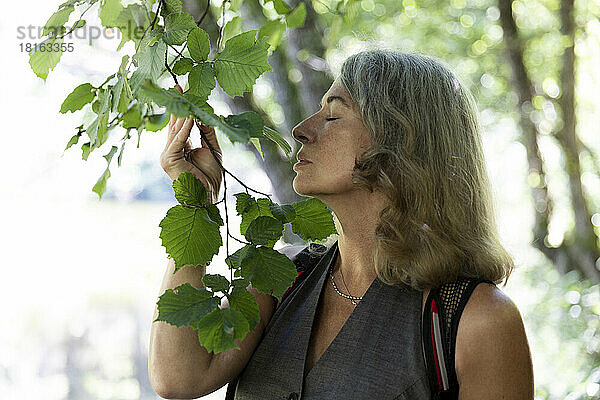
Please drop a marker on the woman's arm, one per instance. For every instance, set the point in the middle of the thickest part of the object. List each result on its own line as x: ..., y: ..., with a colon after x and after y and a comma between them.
x: 493, y: 360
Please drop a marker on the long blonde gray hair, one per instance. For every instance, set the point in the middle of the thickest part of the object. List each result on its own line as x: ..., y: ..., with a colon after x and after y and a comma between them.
x: 427, y: 158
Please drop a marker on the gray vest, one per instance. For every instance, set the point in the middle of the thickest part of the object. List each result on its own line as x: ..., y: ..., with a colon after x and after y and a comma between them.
x: 376, y: 355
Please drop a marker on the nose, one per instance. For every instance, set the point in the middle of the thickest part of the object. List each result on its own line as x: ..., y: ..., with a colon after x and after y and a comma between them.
x: 303, y: 132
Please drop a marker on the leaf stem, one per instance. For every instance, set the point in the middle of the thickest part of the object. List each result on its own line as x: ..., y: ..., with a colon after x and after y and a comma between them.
x: 203, y: 15
x: 75, y: 25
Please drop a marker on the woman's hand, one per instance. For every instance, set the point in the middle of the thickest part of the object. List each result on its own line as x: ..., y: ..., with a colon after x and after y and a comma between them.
x: 178, y: 155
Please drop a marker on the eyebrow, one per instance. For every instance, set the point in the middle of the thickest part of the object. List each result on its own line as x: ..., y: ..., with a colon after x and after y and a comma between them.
x: 333, y: 97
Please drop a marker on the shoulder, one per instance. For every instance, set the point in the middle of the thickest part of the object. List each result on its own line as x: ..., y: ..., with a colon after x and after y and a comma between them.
x: 492, y: 353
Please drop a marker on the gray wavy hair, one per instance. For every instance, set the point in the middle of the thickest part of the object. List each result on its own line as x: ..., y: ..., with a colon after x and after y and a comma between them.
x: 427, y: 158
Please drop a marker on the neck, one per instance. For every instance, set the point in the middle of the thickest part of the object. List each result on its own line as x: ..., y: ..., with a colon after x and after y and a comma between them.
x: 356, y: 241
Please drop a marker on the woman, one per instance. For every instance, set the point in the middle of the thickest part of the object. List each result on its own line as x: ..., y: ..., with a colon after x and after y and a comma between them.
x: 395, y: 153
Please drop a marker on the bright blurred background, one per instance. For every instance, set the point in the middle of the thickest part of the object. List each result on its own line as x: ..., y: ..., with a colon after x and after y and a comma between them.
x: 81, y: 276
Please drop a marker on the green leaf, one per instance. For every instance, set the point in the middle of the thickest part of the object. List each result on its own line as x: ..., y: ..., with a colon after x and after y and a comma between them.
x: 264, y: 230
x: 249, y: 120
x: 183, y: 66
x: 172, y: 6
x: 236, y: 258
x: 132, y: 118
x: 272, y: 32
x: 214, y: 214
x: 258, y: 208
x: 45, y: 56
x: 150, y: 65
x: 86, y: 149
x: 80, y: 96
x: 232, y: 28
x: 177, y: 27
x: 100, y: 186
x: 285, y: 213
x: 313, y: 220
x: 256, y: 144
x: 243, y: 301
x: 218, y: 330
x: 274, y: 136
x: 198, y: 44
x: 73, y: 141
x: 243, y: 202
x: 190, y: 236
x: 269, y: 271
x: 240, y: 63
x: 280, y: 6
x: 189, y: 190
x: 57, y: 20
x: 156, y: 122
x: 185, y: 304
x: 181, y: 106
x: 218, y: 283
x: 109, y: 12
x: 296, y: 18
x: 202, y: 81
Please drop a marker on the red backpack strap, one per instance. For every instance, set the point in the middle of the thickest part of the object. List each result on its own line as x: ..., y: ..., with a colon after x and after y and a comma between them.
x: 441, y: 316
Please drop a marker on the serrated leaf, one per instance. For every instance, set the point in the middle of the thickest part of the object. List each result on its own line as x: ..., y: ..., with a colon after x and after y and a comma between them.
x: 185, y: 304
x: 177, y: 27
x: 269, y: 271
x: 264, y: 230
x: 202, y: 81
x: 249, y: 120
x: 172, y: 6
x: 189, y: 190
x: 217, y: 283
x: 198, y: 44
x: 240, y: 63
x: 43, y: 61
x: 100, y: 186
x: 58, y: 19
x: 243, y: 202
x: 214, y: 214
x: 257, y: 209
x: 285, y: 213
x: 236, y: 258
x: 243, y: 301
x: 218, y: 330
x: 296, y: 18
x: 313, y: 220
x: 190, y: 236
x: 150, y: 64
x: 183, y: 66
x: 80, y: 96
x: 179, y: 105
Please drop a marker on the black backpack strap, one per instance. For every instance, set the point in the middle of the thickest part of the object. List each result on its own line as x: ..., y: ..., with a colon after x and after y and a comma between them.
x: 442, y: 312
x: 304, y: 261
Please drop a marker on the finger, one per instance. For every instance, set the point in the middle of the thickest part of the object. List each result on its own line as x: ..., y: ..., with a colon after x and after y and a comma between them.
x: 211, y: 136
x: 175, y: 129
x: 172, y: 121
x: 178, y: 143
x: 178, y: 88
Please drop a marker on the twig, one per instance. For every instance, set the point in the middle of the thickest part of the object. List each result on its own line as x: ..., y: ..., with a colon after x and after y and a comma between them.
x: 137, y: 47
x: 205, y: 12
x: 76, y: 23
x: 222, y: 29
x: 169, y: 68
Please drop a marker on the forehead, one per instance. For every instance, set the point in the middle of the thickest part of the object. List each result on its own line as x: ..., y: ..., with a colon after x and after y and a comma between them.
x: 337, y: 92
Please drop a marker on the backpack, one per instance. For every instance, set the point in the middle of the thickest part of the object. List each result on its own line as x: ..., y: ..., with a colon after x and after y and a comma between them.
x: 441, y: 315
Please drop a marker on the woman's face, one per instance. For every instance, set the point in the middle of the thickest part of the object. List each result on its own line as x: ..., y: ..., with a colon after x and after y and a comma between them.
x: 332, y: 139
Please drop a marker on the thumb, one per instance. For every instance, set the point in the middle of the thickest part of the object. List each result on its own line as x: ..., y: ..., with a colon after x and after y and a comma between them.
x: 211, y: 136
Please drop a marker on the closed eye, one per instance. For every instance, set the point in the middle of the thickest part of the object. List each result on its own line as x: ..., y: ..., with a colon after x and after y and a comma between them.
x: 330, y: 119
